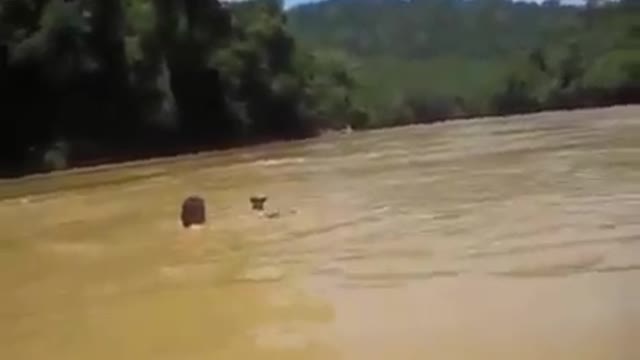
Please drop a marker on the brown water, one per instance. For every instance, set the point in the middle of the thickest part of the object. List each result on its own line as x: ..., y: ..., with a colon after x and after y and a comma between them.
x: 499, y: 239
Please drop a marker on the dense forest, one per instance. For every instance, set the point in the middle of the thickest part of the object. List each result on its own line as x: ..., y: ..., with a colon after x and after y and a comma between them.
x: 90, y: 81
x: 427, y: 60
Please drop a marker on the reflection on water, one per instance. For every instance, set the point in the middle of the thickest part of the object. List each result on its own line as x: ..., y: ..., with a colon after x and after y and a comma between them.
x: 497, y: 239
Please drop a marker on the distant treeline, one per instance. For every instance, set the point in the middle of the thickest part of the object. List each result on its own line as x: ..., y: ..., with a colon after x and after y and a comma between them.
x: 428, y: 60
x: 90, y: 81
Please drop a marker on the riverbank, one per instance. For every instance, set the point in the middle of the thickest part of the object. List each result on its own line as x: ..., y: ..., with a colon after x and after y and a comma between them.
x: 129, y: 171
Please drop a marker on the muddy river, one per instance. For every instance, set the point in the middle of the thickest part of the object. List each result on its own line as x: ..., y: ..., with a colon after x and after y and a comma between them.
x: 512, y: 238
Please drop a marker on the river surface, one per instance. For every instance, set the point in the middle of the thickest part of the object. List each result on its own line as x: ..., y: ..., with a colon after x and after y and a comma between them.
x: 509, y: 238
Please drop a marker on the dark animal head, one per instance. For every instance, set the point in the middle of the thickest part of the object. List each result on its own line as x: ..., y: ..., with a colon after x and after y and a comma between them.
x: 193, y: 211
x: 257, y: 202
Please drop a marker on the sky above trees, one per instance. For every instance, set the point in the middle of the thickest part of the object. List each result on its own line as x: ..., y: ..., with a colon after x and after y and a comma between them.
x: 290, y: 3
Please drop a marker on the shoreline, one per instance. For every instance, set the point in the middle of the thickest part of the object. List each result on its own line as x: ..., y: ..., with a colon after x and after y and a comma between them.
x: 110, y: 166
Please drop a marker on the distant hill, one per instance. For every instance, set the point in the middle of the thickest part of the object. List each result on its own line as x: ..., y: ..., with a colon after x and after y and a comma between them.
x: 428, y: 28
x: 472, y: 52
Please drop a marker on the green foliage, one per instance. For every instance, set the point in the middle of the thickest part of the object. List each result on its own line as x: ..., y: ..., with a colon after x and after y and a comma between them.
x: 424, y: 60
x: 140, y: 77
x: 147, y: 76
x: 422, y: 29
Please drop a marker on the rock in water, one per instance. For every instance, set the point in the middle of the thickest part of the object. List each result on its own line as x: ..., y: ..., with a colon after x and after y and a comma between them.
x: 193, y: 211
x: 257, y: 202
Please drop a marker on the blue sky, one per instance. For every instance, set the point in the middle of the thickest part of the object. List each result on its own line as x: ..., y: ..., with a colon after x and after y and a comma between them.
x: 290, y: 3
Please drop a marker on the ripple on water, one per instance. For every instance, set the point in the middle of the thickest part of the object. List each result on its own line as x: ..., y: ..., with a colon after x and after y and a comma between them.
x: 369, y: 276
x: 277, y: 162
x: 541, y: 247
x: 400, y: 275
x: 578, y: 265
x: 617, y: 268
x: 77, y: 249
x: 262, y: 274
x: 186, y: 272
x: 382, y: 285
x: 280, y: 337
x: 393, y: 253
x: 386, y: 280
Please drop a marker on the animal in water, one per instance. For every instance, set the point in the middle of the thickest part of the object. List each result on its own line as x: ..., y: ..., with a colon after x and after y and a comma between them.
x: 257, y: 202
x: 193, y: 211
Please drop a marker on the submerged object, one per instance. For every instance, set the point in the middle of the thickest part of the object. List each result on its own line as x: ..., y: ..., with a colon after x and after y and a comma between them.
x: 272, y: 214
x: 193, y: 211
